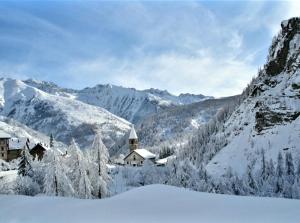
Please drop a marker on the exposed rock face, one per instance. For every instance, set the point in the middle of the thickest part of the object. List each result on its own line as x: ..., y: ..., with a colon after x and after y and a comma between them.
x: 285, y: 48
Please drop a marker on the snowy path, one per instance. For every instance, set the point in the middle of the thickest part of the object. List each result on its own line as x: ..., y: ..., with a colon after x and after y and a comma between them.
x: 156, y: 203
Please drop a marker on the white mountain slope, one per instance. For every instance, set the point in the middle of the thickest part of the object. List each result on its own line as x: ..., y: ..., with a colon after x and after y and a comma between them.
x: 269, y: 119
x: 149, y: 204
x: 128, y: 103
x: 175, y: 124
x: 18, y: 130
x: 64, y: 117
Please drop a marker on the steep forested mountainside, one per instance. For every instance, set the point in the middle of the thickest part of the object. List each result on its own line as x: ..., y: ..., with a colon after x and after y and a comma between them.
x: 64, y: 117
x: 128, y: 103
x: 174, y: 125
x: 267, y: 121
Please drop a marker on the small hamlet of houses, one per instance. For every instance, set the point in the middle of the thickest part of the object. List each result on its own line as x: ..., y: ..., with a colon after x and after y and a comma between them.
x: 11, y: 148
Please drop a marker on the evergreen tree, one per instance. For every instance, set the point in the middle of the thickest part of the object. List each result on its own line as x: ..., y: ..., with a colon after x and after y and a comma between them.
x: 56, y: 181
x: 251, y: 182
x: 289, y: 168
x: 51, y: 141
x: 78, y: 173
x: 264, y: 173
x: 100, y: 157
x: 279, y: 174
x: 24, y: 167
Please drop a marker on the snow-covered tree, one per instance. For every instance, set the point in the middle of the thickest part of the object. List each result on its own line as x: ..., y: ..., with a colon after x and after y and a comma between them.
x: 25, y: 185
x: 279, y: 174
x: 56, y: 181
x: 24, y: 167
x: 99, y: 171
x: 51, y: 142
x: 78, y: 171
x: 251, y: 182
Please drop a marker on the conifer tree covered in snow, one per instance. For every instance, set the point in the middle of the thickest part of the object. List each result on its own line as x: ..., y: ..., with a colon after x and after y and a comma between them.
x: 51, y: 141
x: 99, y: 156
x: 24, y: 167
x: 25, y: 183
x: 56, y: 181
x: 78, y: 172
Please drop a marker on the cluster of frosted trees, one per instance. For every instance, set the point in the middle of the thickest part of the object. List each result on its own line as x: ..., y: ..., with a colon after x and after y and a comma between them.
x: 74, y: 174
x: 261, y: 179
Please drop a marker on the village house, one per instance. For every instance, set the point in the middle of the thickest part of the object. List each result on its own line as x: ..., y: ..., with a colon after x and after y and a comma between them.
x: 136, y: 156
x: 39, y: 150
x: 11, y: 148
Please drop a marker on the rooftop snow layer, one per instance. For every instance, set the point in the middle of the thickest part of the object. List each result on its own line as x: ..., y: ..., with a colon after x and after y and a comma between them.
x: 19, y: 143
x: 145, y: 153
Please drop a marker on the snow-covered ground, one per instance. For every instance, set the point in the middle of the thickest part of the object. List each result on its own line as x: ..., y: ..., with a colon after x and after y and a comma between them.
x: 155, y: 203
x: 8, y: 176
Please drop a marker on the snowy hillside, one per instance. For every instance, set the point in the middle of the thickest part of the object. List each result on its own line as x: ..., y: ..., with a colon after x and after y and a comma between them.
x: 64, y: 117
x: 128, y: 103
x: 269, y: 119
x: 156, y: 203
x: 175, y: 124
x: 18, y: 130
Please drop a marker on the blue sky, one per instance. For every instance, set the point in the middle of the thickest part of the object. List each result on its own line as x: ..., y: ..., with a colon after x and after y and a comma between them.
x: 208, y: 47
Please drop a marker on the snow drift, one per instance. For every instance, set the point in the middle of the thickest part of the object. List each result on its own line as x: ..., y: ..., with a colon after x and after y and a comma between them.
x: 155, y: 203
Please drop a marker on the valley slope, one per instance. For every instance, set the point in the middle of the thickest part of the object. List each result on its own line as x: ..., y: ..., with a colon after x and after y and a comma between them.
x: 268, y: 120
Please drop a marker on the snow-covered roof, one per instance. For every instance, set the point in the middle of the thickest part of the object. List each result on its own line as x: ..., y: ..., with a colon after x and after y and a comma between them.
x: 19, y: 143
x: 132, y: 134
x: 145, y: 153
x: 4, y: 135
x: 44, y: 145
x: 164, y: 160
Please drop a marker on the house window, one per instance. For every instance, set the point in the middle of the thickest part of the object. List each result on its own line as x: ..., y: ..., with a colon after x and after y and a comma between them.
x: 2, y: 148
x: 141, y: 161
x: 127, y: 162
x: 2, y: 154
x: 133, y: 157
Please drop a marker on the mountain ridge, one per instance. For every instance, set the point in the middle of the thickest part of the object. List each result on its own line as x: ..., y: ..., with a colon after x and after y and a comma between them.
x: 128, y: 103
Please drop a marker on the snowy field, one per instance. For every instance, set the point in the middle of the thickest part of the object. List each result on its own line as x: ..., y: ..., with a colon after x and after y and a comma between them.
x: 155, y: 203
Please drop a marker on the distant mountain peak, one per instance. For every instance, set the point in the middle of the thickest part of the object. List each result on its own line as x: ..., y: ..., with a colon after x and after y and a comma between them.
x: 128, y: 103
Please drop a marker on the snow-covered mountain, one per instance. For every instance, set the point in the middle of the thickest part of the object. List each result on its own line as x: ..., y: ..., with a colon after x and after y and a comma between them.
x: 269, y: 118
x: 18, y: 130
x: 62, y: 116
x: 128, y: 103
x: 174, y: 125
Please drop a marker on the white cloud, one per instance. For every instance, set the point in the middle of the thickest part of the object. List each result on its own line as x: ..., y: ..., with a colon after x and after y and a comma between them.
x: 293, y: 8
x: 183, y: 47
x: 177, y: 73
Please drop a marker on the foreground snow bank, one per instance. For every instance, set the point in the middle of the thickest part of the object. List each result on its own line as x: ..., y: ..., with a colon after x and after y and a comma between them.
x: 155, y: 203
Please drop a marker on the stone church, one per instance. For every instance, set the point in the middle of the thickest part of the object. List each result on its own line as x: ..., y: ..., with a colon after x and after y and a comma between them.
x: 136, y: 156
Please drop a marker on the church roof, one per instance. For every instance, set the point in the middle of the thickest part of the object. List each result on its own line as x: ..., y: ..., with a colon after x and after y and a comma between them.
x: 132, y: 134
x: 145, y: 153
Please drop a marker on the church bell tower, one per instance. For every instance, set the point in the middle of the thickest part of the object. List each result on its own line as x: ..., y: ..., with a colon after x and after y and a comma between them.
x: 133, y: 140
